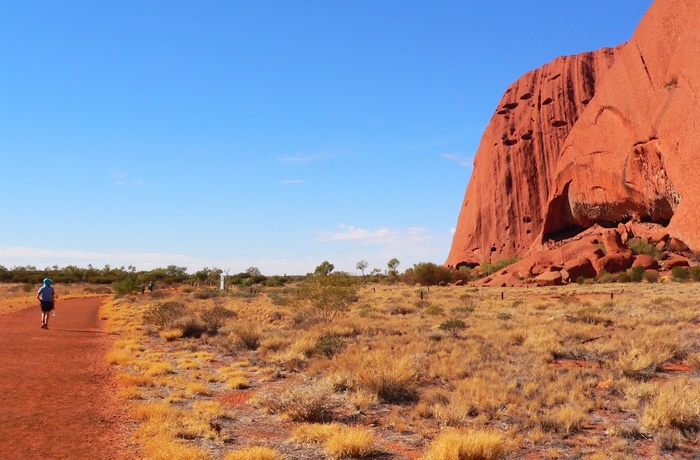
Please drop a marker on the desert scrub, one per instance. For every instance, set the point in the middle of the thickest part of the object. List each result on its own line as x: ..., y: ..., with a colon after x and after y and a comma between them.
x: 301, y: 400
x: 392, y: 379
x: 163, y: 315
x: 214, y: 318
x: 339, y: 441
x: 321, y: 298
x: 466, y: 445
x: 676, y: 407
x: 254, y: 453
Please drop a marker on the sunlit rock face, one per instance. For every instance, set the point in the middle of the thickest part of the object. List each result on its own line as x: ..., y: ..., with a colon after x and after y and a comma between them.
x: 606, y: 137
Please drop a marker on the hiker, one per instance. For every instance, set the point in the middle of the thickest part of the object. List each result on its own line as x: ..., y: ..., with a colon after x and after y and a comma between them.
x: 150, y: 286
x: 47, y: 298
x: 143, y: 288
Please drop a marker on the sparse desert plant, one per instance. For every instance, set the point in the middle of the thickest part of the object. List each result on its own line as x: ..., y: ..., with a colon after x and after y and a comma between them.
x: 466, y: 445
x: 324, y: 297
x: 190, y: 325
x: 329, y: 344
x: 566, y: 419
x: 453, y: 327
x: 301, y: 401
x: 162, y: 315
x: 254, y: 453
x: 392, y: 379
x: 340, y: 441
x: 637, y: 274
x: 680, y: 274
x: 216, y: 317
x: 247, y: 336
x: 643, y: 246
x: 677, y: 407
x: 641, y: 363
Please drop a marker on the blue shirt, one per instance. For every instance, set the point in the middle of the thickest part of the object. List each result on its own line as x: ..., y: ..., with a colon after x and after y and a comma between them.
x: 46, y: 293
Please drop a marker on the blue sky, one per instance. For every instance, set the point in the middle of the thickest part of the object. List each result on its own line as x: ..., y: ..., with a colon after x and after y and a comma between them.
x: 269, y: 134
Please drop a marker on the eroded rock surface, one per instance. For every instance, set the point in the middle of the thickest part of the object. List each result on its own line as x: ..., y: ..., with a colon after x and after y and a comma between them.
x: 604, y: 138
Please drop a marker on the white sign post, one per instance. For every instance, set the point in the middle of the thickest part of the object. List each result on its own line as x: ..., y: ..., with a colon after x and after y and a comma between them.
x: 223, y: 281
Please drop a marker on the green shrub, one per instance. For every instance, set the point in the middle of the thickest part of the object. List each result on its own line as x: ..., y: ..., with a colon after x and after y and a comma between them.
x: 695, y: 273
x: 126, y: 286
x: 453, y: 326
x: 637, y: 274
x: 623, y: 277
x: 490, y: 268
x: 651, y: 276
x: 680, y: 273
x: 323, y: 297
x: 434, y: 310
x: 643, y: 246
x: 430, y: 274
x: 328, y: 345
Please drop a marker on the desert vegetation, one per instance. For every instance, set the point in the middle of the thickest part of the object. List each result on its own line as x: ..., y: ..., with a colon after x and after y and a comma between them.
x: 340, y: 368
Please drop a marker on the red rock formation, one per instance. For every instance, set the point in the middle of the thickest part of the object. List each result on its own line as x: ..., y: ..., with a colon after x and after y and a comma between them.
x: 598, y: 138
x: 505, y: 203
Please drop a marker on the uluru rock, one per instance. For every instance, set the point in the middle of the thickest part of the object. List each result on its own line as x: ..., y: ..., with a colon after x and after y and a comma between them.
x: 506, y: 199
x: 604, y: 138
x: 580, y: 268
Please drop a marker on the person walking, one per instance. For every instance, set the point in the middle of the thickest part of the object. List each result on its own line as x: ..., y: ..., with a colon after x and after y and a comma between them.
x: 47, y: 299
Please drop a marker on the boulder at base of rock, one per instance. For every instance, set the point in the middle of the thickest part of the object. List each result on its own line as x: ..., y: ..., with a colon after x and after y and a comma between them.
x: 646, y: 261
x: 676, y: 261
x: 615, y: 262
x: 581, y: 267
x: 549, y: 279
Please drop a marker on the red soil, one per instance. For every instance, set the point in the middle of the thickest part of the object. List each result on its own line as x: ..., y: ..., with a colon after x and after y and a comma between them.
x: 56, y: 389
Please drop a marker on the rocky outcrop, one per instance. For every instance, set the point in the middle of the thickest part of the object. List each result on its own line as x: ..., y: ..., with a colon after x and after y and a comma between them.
x: 599, y: 138
x: 505, y: 203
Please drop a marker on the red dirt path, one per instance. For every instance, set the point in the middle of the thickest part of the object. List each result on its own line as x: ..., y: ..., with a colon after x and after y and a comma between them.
x: 56, y: 388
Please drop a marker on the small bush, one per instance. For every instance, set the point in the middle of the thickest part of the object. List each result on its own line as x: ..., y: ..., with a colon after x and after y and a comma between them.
x: 695, y: 273
x: 466, y: 445
x: 453, y: 326
x: 677, y: 407
x: 206, y: 294
x: 162, y: 315
x: 216, y: 317
x: 190, y: 325
x: 328, y: 345
x: 248, y: 336
x: 306, y: 401
x: 392, y: 380
x: 491, y: 268
x: 651, y: 276
x: 680, y: 274
x: 637, y: 274
x: 126, y: 286
x: 254, y: 453
x: 643, y: 246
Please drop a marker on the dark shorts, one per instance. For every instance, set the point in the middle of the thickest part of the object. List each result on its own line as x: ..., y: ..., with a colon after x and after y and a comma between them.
x: 46, y: 305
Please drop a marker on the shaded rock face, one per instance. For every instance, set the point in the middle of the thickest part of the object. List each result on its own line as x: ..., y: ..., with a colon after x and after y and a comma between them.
x: 612, y: 139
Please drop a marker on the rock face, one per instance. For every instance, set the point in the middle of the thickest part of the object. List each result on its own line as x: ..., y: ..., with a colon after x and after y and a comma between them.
x: 604, y: 138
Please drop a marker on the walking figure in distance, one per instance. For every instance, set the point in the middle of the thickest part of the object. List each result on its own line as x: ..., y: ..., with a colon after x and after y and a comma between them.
x: 47, y: 298
x: 150, y: 286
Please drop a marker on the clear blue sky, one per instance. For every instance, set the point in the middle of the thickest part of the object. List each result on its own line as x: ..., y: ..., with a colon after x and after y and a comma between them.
x: 273, y: 134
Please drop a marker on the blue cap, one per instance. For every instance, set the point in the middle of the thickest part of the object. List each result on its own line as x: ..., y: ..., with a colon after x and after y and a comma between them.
x: 47, y: 281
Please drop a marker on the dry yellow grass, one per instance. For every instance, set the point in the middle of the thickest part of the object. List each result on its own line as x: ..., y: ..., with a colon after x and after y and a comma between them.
x: 533, y: 367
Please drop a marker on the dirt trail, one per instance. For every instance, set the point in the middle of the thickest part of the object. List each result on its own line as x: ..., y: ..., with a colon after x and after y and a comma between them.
x: 56, y: 391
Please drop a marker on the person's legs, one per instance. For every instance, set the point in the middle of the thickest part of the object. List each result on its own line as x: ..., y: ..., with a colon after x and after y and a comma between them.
x: 44, y: 318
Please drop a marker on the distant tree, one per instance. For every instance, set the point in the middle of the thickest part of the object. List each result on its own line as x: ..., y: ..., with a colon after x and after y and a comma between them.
x: 322, y: 297
x: 393, y: 264
x: 324, y: 269
x: 253, y: 271
x: 430, y: 274
x: 362, y: 265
